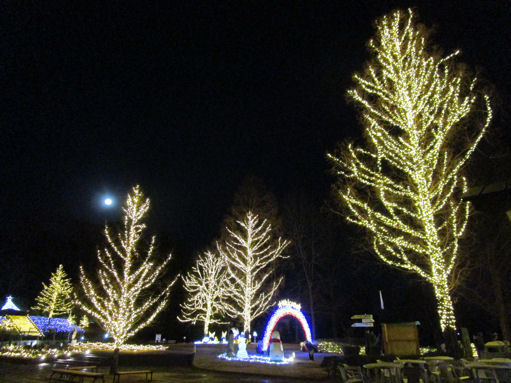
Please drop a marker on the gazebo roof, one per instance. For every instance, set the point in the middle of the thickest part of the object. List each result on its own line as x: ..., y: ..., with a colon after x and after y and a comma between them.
x: 12, y: 319
x: 21, y: 324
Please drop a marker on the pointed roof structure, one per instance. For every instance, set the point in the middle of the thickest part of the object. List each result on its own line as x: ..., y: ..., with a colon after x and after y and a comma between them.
x: 12, y: 319
x: 9, y: 305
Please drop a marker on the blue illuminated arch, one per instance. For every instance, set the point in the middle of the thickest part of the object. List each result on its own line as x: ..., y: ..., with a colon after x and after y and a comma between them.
x: 286, y: 308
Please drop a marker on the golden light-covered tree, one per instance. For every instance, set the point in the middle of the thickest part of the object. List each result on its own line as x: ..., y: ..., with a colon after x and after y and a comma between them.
x: 250, y: 252
x: 423, y: 119
x: 126, y: 297
x: 56, y: 297
x: 207, y: 287
x: 84, y: 322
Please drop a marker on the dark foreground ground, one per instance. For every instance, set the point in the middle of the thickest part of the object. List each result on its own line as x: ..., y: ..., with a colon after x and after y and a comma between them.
x: 20, y: 373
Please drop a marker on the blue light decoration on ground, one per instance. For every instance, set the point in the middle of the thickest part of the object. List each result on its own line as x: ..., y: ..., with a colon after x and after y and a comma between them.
x: 59, y: 325
x: 286, y: 307
x: 108, y: 201
x: 255, y: 359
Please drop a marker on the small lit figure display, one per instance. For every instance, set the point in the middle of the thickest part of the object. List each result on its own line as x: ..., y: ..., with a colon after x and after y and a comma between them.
x: 276, y: 349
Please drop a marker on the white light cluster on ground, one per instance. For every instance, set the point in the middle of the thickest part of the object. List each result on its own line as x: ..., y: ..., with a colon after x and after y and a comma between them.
x: 255, y: 359
x: 210, y: 342
x: 98, y: 346
x: 16, y: 351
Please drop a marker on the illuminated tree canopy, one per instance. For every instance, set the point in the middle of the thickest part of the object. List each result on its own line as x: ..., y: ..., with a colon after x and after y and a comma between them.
x: 56, y: 298
x: 127, y: 298
x: 206, y: 286
x: 250, y: 253
x: 405, y: 186
x: 84, y: 322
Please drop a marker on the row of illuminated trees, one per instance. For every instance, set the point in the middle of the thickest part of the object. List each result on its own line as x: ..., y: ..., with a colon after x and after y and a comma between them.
x: 233, y: 279
x: 423, y: 116
x: 123, y: 297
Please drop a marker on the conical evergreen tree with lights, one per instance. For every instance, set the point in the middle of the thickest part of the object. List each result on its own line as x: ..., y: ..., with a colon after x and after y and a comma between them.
x: 56, y: 297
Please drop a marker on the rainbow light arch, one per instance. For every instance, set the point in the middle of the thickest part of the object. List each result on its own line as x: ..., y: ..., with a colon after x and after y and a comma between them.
x: 286, y: 307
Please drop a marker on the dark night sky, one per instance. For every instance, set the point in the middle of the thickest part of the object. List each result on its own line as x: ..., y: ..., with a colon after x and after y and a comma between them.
x: 187, y: 99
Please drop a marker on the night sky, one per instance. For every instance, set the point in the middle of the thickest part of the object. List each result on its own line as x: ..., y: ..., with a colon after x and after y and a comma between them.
x: 186, y: 100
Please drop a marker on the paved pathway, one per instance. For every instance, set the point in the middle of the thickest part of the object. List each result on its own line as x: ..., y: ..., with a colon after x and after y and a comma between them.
x: 176, y: 368
x: 19, y: 372
x: 302, y: 367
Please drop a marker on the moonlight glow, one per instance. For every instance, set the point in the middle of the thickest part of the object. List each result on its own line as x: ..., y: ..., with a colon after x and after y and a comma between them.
x: 126, y: 298
x: 108, y: 201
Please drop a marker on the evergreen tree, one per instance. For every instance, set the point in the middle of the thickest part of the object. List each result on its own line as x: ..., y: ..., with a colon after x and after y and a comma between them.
x: 56, y: 298
x: 84, y: 322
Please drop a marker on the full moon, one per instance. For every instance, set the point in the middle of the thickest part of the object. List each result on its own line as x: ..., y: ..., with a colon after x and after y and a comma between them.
x: 108, y: 201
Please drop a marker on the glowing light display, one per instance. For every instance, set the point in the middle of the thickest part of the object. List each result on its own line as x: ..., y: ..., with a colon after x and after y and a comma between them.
x: 84, y: 322
x: 126, y: 298
x: 59, y: 325
x: 405, y: 187
x: 20, y: 324
x: 330, y: 346
x: 207, y: 286
x: 99, y: 346
x: 15, y: 351
x: 55, y: 298
x: 256, y: 359
x: 250, y: 254
x: 48, y: 354
x: 285, y: 307
x: 9, y: 304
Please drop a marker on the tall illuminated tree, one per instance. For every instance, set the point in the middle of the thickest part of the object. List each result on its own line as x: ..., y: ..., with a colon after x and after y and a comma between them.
x: 56, y: 297
x: 127, y: 297
x: 405, y: 186
x: 206, y: 286
x: 250, y: 253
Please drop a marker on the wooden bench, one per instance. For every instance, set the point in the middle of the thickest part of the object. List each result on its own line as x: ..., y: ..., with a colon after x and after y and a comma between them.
x: 95, y: 368
x: 67, y: 374
x: 148, y: 373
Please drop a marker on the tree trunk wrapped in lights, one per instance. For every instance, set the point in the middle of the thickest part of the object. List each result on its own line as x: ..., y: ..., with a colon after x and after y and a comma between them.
x: 405, y: 188
x: 56, y: 298
x: 250, y: 252
x: 207, y: 285
x: 126, y: 299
